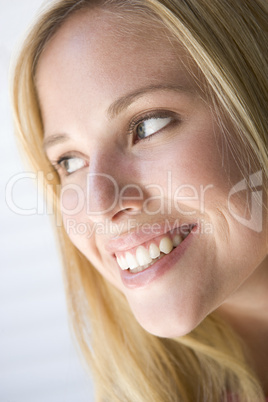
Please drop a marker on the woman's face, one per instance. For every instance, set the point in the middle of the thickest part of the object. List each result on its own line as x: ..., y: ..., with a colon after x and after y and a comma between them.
x: 148, y: 181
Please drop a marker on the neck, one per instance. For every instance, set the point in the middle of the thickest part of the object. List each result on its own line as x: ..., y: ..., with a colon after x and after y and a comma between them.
x: 247, y: 312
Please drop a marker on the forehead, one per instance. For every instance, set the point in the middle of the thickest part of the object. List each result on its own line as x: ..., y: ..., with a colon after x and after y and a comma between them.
x: 100, y: 27
x: 94, y: 37
x: 97, y: 56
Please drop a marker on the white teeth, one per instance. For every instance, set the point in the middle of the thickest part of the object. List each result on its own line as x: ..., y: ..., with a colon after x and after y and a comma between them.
x: 131, y: 261
x: 154, y: 251
x: 122, y: 263
x: 119, y: 262
x: 166, y: 245
x: 138, y: 269
x: 177, y: 240
x: 142, y: 256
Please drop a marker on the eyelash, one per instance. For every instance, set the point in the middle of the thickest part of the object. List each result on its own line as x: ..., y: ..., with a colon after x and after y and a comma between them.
x: 132, y: 127
x: 57, y: 163
x: 159, y: 114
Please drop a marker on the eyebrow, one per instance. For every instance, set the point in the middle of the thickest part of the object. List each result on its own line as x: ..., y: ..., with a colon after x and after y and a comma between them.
x: 54, y: 140
x: 118, y: 106
x: 125, y: 101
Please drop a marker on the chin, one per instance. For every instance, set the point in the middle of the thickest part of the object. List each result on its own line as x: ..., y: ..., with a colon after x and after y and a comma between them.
x: 168, y: 325
x: 174, y: 331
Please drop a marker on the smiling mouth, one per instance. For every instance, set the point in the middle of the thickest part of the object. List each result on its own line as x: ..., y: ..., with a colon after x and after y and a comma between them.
x: 142, y: 257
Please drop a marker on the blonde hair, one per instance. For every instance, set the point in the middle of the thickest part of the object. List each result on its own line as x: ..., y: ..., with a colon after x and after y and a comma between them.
x: 227, y: 41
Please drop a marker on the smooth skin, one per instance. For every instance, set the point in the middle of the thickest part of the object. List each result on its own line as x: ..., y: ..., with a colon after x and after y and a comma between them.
x: 94, y: 79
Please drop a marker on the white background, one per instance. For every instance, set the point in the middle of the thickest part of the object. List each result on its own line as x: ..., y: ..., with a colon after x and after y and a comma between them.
x: 38, y: 362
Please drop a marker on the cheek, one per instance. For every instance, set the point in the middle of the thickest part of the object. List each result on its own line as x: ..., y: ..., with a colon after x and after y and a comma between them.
x: 82, y: 231
x: 205, y: 169
x: 195, y: 178
x: 73, y: 209
x: 72, y: 199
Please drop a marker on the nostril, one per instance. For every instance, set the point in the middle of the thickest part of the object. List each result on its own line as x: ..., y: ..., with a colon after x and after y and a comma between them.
x: 125, y: 211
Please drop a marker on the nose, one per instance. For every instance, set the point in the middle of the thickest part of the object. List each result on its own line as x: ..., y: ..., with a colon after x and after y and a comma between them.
x: 111, y: 189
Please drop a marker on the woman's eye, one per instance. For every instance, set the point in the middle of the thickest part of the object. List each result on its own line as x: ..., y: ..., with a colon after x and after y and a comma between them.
x: 71, y: 164
x: 151, y: 126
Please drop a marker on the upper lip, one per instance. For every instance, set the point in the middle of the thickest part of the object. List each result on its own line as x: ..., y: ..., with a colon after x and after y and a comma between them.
x: 137, y: 237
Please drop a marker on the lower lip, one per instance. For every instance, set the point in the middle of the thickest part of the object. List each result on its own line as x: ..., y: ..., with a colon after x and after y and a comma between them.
x: 159, y: 268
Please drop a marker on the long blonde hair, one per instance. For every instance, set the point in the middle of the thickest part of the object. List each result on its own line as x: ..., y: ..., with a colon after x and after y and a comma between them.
x: 227, y: 41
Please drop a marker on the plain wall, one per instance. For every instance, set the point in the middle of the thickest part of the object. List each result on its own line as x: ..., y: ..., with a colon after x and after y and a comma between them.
x: 38, y: 362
